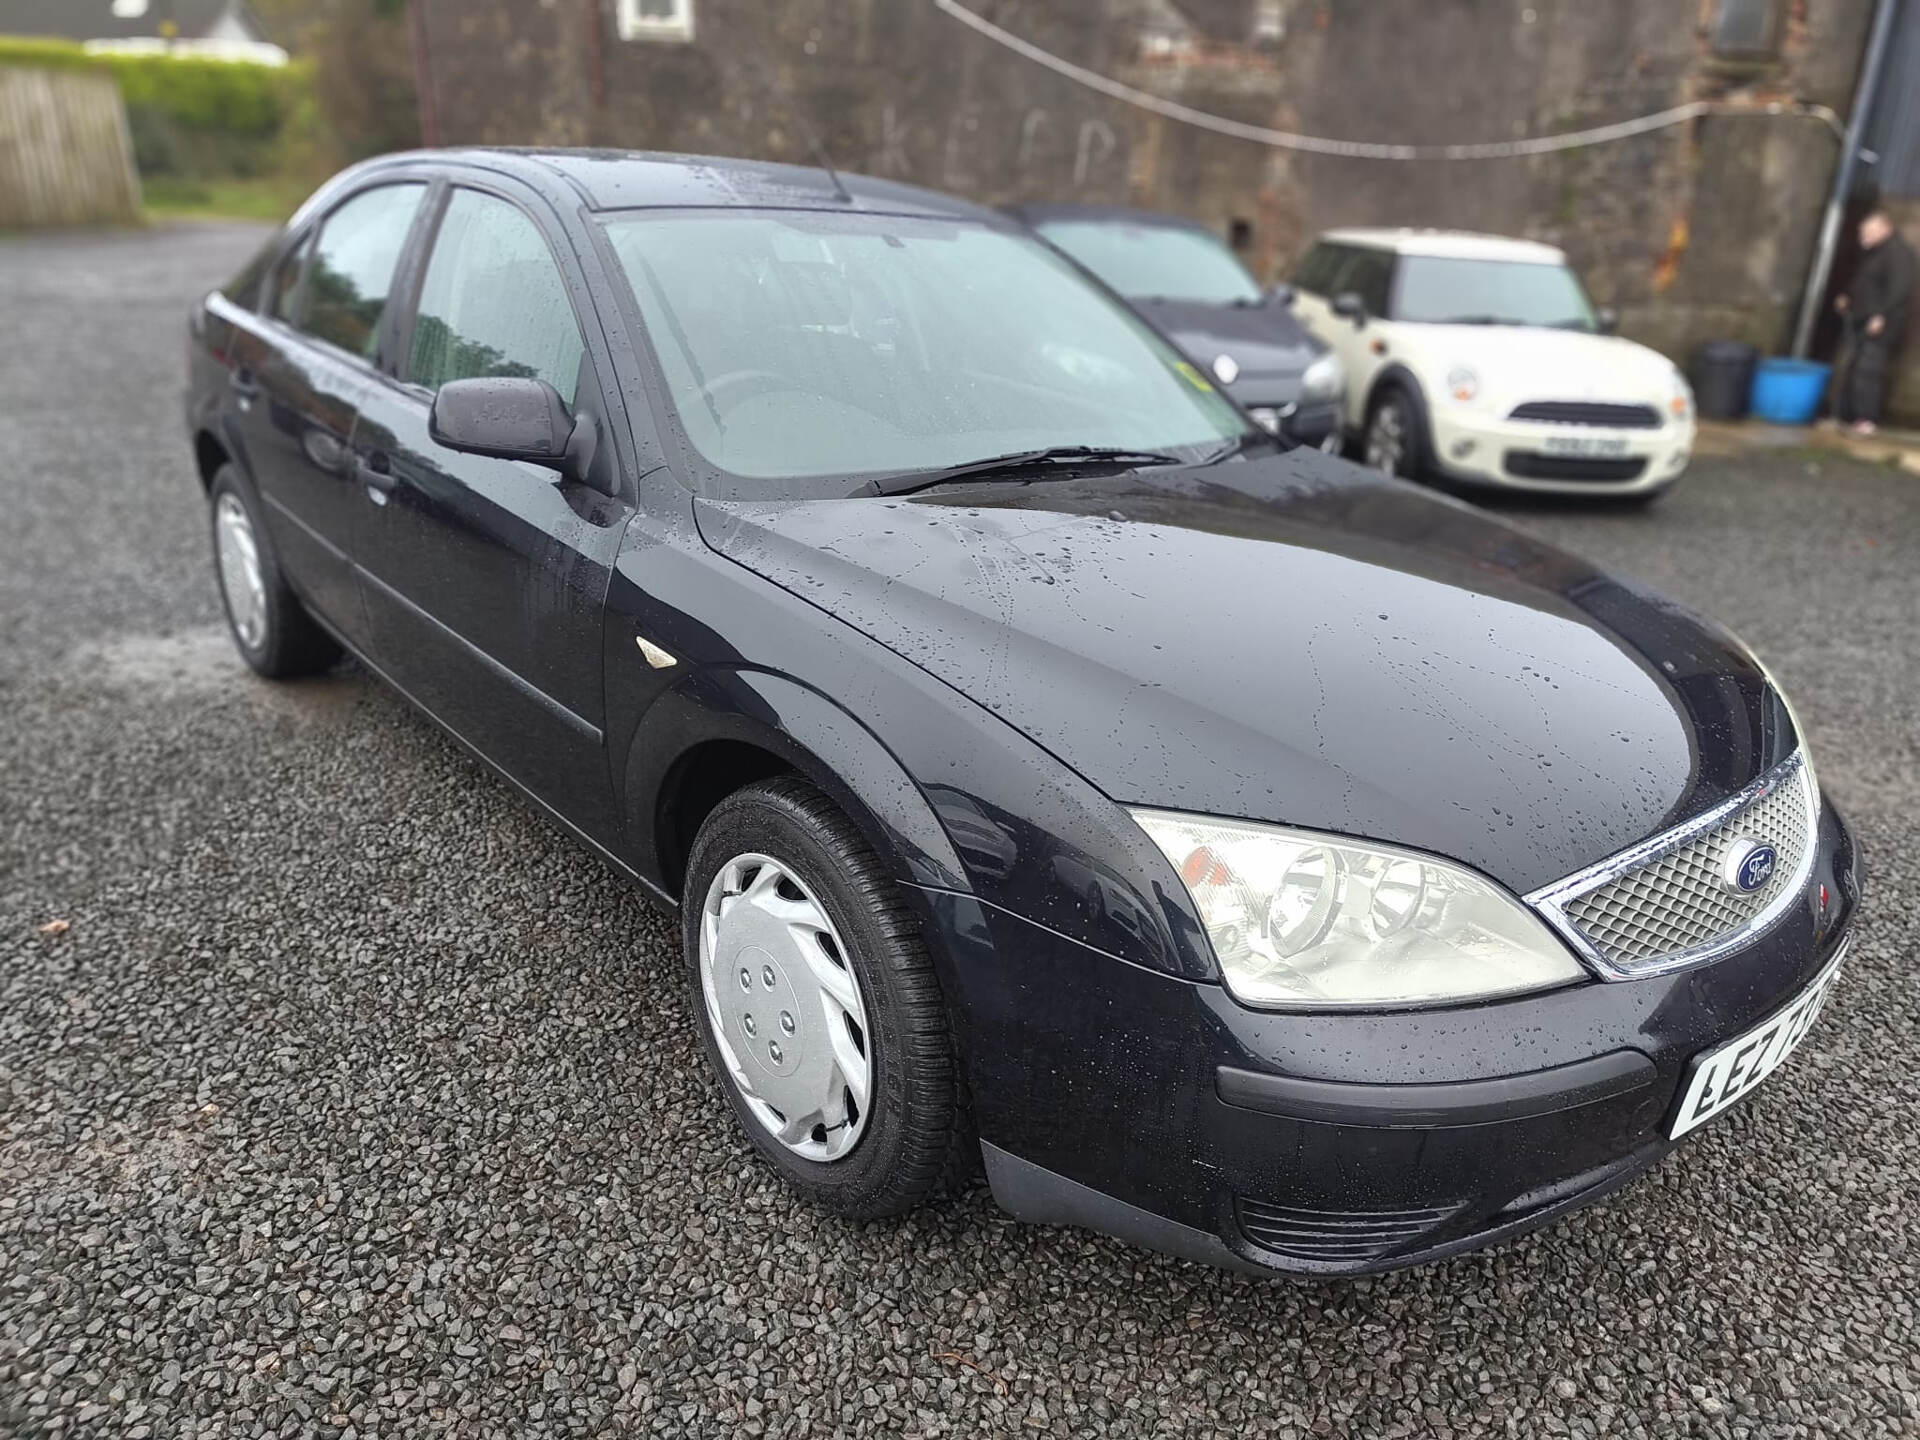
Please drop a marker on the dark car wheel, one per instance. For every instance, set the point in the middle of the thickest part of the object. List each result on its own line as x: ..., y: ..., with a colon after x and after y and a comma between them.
x: 818, y: 1005
x: 1394, y: 442
x: 275, y: 635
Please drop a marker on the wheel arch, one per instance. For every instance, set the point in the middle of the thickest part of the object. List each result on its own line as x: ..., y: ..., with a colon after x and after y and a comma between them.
x: 210, y: 452
x: 719, y: 730
x: 1399, y: 376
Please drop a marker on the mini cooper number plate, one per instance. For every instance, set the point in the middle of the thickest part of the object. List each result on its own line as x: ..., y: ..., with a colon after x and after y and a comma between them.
x: 1600, y: 445
x: 1728, y: 1075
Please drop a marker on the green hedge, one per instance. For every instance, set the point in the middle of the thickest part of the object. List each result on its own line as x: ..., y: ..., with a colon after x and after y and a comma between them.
x: 192, y: 116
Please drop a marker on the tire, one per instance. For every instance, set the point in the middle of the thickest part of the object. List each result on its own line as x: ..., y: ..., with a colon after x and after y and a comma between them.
x: 913, y: 1137
x: 270, y: 628
x: 1394, y: 441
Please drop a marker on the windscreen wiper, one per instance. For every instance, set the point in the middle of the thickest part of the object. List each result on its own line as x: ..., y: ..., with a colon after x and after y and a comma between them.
x: 1016, y: 464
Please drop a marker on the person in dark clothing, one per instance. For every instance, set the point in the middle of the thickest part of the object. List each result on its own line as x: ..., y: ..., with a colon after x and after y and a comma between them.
x: 1875, y: 308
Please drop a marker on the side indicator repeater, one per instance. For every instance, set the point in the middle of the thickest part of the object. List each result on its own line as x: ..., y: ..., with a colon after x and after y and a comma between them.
x: 655, y: 656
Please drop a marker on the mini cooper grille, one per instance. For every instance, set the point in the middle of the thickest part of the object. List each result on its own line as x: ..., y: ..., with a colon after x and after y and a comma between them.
x: 1676, y: 906
x: 1337, y: 1235
x: 1589, y: 412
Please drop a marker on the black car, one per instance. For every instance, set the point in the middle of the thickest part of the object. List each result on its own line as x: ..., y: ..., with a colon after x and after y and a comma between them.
x: 1238, y: 851
x: 1197, y: 293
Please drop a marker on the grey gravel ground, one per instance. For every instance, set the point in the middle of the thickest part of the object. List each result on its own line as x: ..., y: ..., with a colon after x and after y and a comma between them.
x: 356, y: 1101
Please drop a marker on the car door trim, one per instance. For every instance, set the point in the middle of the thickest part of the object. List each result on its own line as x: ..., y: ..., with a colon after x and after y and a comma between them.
x: 571, y: 718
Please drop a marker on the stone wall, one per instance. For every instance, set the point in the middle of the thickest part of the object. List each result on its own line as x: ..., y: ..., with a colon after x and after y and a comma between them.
x: 1700, y: 231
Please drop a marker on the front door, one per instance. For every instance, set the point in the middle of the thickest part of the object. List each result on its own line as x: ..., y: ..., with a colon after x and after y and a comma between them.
x: 300, y: 369
x: 484, y: 580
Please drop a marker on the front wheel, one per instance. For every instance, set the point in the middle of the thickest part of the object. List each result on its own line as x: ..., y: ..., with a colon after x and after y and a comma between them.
x: 1393, y: 442
x: 818, y: 1005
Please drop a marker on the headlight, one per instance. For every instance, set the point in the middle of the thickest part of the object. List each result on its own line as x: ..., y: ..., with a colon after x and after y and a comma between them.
x: 1300, y: 919
x: 1323, y: 379
x: 1462, y: 383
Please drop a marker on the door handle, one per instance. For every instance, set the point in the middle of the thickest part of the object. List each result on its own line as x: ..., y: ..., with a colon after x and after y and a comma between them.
x: 375, y: 471
x: 245, y: 388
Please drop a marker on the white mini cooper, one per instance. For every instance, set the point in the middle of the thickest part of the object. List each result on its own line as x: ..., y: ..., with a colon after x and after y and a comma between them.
x: 1482, y: 361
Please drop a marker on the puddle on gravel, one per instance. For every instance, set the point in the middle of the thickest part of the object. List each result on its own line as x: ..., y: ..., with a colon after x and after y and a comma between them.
x: 202, y: 663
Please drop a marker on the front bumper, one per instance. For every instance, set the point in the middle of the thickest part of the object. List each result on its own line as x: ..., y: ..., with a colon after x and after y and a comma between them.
x: 1473, y: 448
x: 1160, y: 1110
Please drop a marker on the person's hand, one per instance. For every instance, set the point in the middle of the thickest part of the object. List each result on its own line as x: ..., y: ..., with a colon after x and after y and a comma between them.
x: 1876, y: 323
x: 1840, y: 303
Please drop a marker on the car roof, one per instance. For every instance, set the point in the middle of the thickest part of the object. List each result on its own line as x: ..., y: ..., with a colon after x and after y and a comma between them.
x: 642, y: 179
x: 1451, y: 244
x: 1040, y: 212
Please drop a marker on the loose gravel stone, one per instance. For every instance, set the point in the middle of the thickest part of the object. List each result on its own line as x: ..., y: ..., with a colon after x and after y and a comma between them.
x: 354, y: 1100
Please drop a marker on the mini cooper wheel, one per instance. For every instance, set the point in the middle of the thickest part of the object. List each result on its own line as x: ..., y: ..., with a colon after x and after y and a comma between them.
x: 1392, y: 444
x: 818, y: 1006
x: 273, y: 633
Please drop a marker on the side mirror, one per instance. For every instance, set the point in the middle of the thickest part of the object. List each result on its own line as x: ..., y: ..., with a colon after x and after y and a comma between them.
x: 1281, y: 294
x: 514, y: 418
x: 1606, y: 319
x: 1351, y: 306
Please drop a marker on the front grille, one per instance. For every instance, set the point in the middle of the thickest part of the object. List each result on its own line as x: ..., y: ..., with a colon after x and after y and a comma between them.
x: 1532, y: 465
x: 1589, y: 412
x: 1666, y: 904
x: 1337, y: 1235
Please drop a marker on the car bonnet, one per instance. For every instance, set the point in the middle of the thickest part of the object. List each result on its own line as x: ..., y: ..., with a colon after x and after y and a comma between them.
x: 1296, y: 641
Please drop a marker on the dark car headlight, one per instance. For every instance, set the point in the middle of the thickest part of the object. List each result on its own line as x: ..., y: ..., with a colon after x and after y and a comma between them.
x: 1305, y: 920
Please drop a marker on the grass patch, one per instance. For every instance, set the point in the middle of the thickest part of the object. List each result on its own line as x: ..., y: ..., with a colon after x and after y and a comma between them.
x: 171, y: 198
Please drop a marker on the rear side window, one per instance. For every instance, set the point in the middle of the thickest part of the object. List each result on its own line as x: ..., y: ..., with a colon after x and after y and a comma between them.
x: 353, y: 266
x: 493, y: 302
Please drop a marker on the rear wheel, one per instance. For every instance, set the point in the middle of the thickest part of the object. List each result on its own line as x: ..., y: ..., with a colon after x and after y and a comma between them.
x: 270, y: 628
x: 1394, y: 443
x: 818, y: 1005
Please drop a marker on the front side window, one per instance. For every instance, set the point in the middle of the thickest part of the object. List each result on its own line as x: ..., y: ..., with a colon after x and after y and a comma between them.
x: 803, y: 343
x: 353, y: 265
x: 1316, y: 272
x: 493, y: 302
x: 1367, y: 274
x: 1446, y: 291
x: 1156, y: 262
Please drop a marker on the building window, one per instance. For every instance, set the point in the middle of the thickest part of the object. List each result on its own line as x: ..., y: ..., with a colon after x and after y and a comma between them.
x: 656, y: 20
x: 1746, y: 29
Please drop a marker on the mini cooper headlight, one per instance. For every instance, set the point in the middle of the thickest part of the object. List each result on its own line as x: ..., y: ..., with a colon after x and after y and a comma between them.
x: 1323, y: 379
x: 1304, y: 920
x: 1462, y: 383
x: 1680, y: 403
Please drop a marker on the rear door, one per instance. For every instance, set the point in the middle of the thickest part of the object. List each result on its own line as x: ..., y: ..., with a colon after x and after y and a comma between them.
x: 485, y: 580
x: 300, y: 367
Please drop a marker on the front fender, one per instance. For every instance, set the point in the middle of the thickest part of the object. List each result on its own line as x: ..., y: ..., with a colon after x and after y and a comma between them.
x: 811, y: 733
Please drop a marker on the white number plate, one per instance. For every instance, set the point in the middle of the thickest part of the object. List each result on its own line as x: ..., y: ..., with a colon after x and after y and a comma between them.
x: 1583, y: 445
x: 1728, y: 1075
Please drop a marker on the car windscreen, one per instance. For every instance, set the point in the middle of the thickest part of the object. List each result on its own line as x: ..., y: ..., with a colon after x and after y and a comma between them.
x: 1443, y: 290
x: 1155, y: 262
x: 805, y: 343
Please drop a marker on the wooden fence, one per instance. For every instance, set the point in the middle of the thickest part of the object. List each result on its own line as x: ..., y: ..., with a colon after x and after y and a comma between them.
x: 65, y: 156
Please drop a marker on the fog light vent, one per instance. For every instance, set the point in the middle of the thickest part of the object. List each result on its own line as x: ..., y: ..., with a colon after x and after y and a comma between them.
x: 1338, y: 1235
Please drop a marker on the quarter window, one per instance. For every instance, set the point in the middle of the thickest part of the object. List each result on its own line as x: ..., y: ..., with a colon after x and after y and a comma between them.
x: 353, y: 265
x: 493, y: 302
x: 283, y: 290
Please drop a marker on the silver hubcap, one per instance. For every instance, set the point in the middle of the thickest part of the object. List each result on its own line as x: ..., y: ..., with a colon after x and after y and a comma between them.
x: 240, y: 577
x: 785, y: 1007
x: 1387, y: 438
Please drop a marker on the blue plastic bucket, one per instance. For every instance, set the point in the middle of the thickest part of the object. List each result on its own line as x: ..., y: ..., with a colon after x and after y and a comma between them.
x: 1787, y: 392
